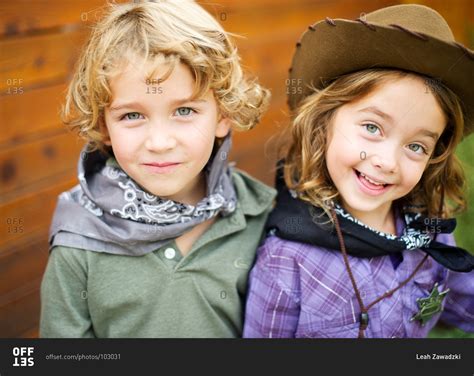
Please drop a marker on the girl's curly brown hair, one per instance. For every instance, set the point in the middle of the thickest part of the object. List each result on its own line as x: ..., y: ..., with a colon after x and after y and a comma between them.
x: 440, y: 191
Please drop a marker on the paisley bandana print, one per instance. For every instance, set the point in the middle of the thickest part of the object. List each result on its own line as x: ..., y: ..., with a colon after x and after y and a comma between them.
x: 297, y: 220
x: 109, y: 212
x: 413, y: 238
x: 141, y: 206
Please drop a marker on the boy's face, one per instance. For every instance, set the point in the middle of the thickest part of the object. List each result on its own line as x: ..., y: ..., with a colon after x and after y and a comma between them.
x: 161, y: 138
x: 388, y: 136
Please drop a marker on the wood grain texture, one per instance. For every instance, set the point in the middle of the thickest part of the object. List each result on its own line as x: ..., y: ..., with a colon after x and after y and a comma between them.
x: 39, y: 45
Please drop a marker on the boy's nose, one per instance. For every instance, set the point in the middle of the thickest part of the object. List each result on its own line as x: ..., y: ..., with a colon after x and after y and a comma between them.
x: 160, y: 138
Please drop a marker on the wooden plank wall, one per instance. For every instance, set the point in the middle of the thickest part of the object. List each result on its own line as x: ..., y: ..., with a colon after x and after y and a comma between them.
x: 39, y: 44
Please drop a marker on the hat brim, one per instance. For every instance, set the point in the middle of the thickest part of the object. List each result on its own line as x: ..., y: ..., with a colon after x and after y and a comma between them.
x: 326, y: 52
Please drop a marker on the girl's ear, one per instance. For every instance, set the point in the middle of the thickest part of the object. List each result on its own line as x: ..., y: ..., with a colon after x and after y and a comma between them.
x: 223, y: 127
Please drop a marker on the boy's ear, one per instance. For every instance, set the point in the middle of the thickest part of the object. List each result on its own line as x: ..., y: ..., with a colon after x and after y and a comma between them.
x: 105, y: 132
x: 223, y: 127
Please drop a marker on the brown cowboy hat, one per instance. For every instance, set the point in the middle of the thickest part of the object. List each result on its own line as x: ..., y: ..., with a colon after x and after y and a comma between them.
x: 408, y: 37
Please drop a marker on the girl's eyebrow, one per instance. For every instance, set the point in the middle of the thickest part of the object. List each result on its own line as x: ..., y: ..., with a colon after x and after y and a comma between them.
x: 428, y: 133
x: 377, y: 111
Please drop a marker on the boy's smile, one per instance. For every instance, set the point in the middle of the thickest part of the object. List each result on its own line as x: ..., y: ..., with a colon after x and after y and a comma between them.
x: 379, y: 147
x: 160, y: 136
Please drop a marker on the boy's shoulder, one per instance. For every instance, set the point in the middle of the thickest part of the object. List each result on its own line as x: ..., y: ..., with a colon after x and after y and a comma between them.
x: 254, y: 196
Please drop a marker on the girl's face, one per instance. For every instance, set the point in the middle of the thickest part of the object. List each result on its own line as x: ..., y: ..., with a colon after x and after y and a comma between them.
x: 160, y: 137
x: 379, y: 145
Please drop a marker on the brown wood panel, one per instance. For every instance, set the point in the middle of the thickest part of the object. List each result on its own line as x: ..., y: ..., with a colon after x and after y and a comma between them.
x: 29, y: 62
x: 20, y: 310
x: 251, y: 15
x: 39, y: 44
x: 27, y: 163
x: 33, y: 114
x: 22, y: 16
x: 28, y: 214
x: 286, y: 16
x: 25, y: 261
x: 255, y: 150
x: 267, y: 128
x: 32, y: 332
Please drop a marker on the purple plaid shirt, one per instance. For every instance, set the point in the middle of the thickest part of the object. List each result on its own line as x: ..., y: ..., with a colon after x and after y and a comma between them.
x: 299, y: 290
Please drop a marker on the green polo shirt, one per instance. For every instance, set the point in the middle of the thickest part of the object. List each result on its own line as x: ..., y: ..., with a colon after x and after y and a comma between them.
x: 160, y: 294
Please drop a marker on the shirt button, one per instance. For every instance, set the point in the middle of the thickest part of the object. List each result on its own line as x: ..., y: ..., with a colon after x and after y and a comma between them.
x: 170, y: 253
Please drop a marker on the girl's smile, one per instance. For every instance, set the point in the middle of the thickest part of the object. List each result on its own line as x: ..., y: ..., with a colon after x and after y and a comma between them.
x: 369, y: 185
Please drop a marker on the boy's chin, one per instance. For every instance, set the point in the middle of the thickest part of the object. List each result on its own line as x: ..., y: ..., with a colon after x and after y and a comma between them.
x: 164, y: 194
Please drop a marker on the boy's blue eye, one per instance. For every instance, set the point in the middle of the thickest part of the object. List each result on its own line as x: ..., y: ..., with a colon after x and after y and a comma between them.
x: 184, y: 111
x: 131, y: 116
x: 371, y: 128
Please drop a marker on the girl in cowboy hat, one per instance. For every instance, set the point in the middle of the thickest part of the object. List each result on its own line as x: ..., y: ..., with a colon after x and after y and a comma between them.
x: 359, y: 243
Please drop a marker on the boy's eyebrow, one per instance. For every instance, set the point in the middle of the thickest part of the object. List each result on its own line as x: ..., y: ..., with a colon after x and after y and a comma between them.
x: 377, y: 111
x: 119, y: 106
x: 176, y: 102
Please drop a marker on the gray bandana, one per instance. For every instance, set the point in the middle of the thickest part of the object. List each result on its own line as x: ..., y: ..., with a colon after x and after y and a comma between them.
x: 109, y: 212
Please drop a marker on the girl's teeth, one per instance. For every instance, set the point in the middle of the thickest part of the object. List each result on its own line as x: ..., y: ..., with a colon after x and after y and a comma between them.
x: 371, y: 181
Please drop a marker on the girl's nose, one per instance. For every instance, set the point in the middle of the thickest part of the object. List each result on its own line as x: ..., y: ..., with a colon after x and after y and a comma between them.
x: 386, y: 160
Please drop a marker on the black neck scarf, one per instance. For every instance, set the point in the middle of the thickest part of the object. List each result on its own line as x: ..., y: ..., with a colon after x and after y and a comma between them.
x: 298, y: 220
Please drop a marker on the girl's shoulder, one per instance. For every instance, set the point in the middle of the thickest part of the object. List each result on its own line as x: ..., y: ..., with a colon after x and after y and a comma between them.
x: 278, y: 253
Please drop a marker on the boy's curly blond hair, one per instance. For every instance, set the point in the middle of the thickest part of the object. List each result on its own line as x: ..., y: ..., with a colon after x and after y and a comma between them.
x: 159, y: 32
